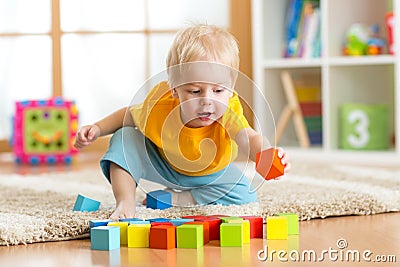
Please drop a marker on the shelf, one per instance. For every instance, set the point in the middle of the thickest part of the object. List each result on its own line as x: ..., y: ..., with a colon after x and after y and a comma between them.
x: 368, y: 80
x: 362, y: 60
x: 334, y: 61
x: 291, y: 63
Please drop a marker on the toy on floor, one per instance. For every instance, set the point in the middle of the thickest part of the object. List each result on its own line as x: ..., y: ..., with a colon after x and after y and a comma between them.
x: 268, y: 164
x: 159, y: 199
x: 282, y: 225
x: 44, y: 130
x: 105, y: 238
x: 231, y: 231
x: 83, y: 203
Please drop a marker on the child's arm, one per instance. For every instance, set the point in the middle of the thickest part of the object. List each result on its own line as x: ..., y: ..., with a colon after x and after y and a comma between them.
x: 108, y: 125
x: 115, y: 121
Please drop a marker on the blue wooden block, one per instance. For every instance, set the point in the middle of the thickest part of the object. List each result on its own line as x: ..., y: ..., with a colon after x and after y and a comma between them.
x: 178, y: 222
x: 159, y: 199
x: 83, y: 203
x: 130, y: 219
x: 158, y: 220
x: 105, y: 238
x: 139, y: 222
x: 95, y: 223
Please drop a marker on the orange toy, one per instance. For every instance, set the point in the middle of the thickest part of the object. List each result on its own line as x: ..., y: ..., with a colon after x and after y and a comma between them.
x: 268, y: 164
x: 162, y: 237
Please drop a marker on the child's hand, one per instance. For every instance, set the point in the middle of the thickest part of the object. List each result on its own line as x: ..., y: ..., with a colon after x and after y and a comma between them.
x: 86, y: 135
x: 284, y: 159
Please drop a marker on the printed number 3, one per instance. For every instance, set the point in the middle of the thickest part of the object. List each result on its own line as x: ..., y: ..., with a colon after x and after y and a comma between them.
x: 361, y: 136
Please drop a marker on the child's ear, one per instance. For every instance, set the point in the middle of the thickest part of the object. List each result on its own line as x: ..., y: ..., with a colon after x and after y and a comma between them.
x: 174, y: 93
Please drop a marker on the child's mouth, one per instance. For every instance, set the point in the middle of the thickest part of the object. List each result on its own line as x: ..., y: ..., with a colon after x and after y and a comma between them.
x: 205, y: 116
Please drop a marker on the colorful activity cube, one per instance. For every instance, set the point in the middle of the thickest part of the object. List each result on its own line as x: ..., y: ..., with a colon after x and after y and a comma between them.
x: 123, y: 231
x: 159, y: 199
x: 277, y: 227
x: 44, y: 131
x: 138, y: 235
x: 83, y: 203
x: 231, y: 234
x: 189, y: 236
x: 293, y: 222
x: 162, y: 237
x: 268, y: 164
x: 105, y: 238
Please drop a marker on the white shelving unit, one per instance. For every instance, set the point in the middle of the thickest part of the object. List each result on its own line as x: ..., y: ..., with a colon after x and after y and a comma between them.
x: 363, y: 79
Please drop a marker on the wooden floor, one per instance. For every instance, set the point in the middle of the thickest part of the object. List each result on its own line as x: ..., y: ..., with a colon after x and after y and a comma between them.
x: 335, y: 241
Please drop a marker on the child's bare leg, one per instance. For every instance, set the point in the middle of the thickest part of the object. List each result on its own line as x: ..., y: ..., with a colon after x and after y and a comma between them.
x: 124, y: 189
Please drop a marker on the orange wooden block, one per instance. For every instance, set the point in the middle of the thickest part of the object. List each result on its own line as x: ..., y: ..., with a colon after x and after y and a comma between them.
x: 162, y: 237
x: 268, y: 164
x: 206, y: 230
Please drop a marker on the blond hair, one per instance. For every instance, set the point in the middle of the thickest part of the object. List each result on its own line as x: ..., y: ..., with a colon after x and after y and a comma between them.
x: 204, y: 42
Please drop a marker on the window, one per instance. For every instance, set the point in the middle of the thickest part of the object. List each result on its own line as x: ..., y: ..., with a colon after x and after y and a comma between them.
x: 96, y: 52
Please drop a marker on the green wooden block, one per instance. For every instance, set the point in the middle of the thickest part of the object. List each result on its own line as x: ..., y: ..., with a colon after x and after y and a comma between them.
x: 231, y: 219
x: 189, y: 236
x: 293, y: 222
x: 231, y: 234
x: 277, y: 227
x: 364, y: 127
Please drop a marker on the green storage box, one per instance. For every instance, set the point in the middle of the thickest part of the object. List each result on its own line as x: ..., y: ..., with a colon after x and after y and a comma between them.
x: 364, y: 127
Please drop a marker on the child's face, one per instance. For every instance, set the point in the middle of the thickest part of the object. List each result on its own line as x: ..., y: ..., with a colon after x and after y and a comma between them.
x: 202, y: 103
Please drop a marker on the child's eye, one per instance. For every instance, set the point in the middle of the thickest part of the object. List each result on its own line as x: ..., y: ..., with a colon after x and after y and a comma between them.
x: 195, y: 91
x: 218, y: 90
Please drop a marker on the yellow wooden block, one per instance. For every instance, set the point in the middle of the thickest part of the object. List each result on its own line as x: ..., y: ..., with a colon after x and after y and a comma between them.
x: 138, y: 235
x: 123, y: 230
x: 246, y: 231
x: 277, y: 228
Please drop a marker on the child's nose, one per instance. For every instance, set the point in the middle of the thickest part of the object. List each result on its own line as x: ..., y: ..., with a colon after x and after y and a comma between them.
x: 206, y: 98
x: 205, y: 101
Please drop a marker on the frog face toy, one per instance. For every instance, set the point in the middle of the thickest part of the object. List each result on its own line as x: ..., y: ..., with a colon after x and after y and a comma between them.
x: 44, y: 131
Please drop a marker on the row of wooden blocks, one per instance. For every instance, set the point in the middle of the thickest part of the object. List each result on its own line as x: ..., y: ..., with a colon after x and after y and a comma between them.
x: 189, y: 231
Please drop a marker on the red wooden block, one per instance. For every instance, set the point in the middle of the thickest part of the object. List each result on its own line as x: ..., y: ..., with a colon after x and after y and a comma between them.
x: 214, y: 224
x: 162, y: 237
x: 161, y: 223
x: 256, y: 226
x: 218, y: 216
x: 206, y: 230
x: 268, y: 164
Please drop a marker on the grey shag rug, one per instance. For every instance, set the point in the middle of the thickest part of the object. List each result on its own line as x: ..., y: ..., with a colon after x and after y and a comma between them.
x: 38, y: 208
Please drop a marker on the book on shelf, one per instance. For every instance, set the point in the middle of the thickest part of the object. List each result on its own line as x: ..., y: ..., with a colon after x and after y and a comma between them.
x: 303, y: 29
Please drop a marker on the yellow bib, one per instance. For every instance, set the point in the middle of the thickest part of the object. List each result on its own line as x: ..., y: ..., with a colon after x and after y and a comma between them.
x: 190, y: 151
